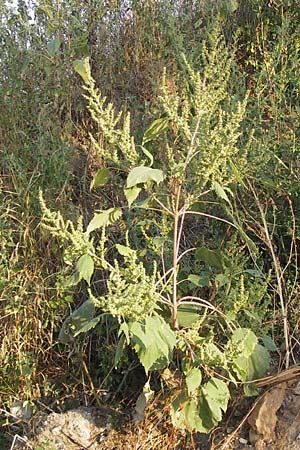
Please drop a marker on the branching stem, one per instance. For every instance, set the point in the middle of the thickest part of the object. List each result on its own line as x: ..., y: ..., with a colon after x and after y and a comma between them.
x: 278, y: 273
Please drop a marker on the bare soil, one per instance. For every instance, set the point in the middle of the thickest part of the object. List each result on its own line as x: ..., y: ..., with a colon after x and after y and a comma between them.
x: 271, y: 423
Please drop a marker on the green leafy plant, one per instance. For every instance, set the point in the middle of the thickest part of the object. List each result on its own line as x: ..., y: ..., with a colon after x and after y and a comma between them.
x: 188, y: 158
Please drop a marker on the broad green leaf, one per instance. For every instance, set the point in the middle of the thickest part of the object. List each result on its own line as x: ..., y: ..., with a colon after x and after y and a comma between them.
x: 76, y: 321
x: 239, y: 228
x: 221, y: 279
x: 252, y: 367
x: 218, y: 391
x: 217, y: 395
x: 236, y: 173
x: 25, y: 369
x: 188, y: 314
x: 132, y: 194
x: 159, y: 241
x: 213, y: 355
x: 124, y: 328
x: 254, y: 272
x: 228, y: 7
x: 88, y: 326
x: 243, y: 341
x: 53, y: 47
x: 73, y: 279
x: 101, y: 178
x: 212, y: 258
x: 82, y: 67
x: 155, y: 129
x: 193, y: 379
x: 199, y: 280
x: 85, y: 268
x: 207, y: 419
x: 231, y: 6
x: 104, y: 218
x: 269, y: 344
x: 165, y: 332
x: 249, y: 390
x: 143, y: 174
x: 192, y: 418
x: 153, y: 340
x: 219, y: 190
x: 125, y: 251
x: 148, y: 154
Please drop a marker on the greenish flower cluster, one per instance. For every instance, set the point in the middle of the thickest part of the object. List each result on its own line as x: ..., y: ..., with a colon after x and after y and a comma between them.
x: 113, y: 143
x: 131, y: 293
x: 79, y: 242
x: 205, y: 121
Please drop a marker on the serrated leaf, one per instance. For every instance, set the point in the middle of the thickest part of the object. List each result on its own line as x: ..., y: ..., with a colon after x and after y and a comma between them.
x: 187, y: 314
x: 219, y: 190
x: 125, y: 251
x: 148, y: 154
x: 82, y: 67
x: 85, y: 268
x: 88, y: 326
x: 153, y: 340
x: 214, y: 400
x: 101, y: 178
x: 165, y: 332
x: 236, y: 173
x: 252, y: 367
x: 217, y: 391
x: 73, y: 279
x: 269, y: 344
x: 193, y: 379
x: 53, y: 47
x: 132, y: 194
x: 192, y: 418
x: 214, y: 356
x: 244, y: 341
x: 254, y: 272
x: 76, y: 321
x: 199, y: 280
x: 249, y: 390
x: 104, y: 218
x: 221, y: 279
x: 155, y: 129
x: 143, y: 174
x: 124, y: 328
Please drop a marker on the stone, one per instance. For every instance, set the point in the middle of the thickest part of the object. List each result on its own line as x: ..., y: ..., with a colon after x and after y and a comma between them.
x: 263, y: 418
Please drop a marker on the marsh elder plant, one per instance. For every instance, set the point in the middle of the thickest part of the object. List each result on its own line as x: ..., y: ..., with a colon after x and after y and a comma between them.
x: 189, y: 154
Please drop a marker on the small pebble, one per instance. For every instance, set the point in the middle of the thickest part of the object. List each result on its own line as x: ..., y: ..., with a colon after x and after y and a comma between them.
x: 19, y: 411
x: 243, y: 441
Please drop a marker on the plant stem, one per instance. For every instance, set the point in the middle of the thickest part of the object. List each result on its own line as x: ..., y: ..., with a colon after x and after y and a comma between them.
x: 175, y: 254
x: 279, y: 276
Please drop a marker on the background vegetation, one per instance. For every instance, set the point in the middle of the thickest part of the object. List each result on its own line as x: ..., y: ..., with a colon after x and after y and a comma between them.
x: 50, y: 142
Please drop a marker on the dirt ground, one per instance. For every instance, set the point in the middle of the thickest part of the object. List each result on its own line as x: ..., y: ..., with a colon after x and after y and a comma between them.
x: 272, y: 422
